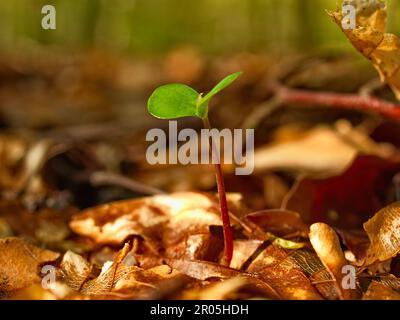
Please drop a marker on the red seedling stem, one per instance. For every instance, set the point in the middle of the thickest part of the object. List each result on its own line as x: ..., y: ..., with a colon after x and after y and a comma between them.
x: 228, y: 238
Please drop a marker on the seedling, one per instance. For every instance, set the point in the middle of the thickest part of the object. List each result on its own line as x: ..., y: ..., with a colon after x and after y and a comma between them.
x: 174, y: 101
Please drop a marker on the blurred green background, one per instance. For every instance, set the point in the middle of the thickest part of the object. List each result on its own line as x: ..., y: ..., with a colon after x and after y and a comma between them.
x: 146, y: 27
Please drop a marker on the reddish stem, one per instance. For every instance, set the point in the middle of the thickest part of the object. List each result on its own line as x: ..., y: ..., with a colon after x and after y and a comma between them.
x: 339, y: 100
x: 228, y: 238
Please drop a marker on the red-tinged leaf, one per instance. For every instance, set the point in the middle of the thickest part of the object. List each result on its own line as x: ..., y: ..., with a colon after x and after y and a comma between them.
x: 346, y: 201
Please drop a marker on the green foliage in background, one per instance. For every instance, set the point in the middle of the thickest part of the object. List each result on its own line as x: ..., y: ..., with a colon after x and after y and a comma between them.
x: 154, y: 26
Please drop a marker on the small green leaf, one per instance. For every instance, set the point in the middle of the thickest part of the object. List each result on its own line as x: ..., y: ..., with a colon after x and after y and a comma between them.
x: 221, y: 86
x: 173, y: 101
x: 283, y: 243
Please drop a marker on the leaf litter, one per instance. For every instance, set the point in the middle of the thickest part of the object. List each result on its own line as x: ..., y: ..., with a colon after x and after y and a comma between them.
x: 322, y: 198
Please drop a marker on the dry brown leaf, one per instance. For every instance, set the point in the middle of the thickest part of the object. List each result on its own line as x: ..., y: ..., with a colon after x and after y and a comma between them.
x: 370, y: 38
x: 378, y: 291
x: 217, y: 291
x: 197, y: 247
x: 321, y: 151
x: 74, y: 270
x: 19, y: 264
x: 242, y: 251
x: 108, y: 276
x: 312, y: 266
x: 276, y: 267
x: 279, y: 222
x: 202, y: 270
x: 357, y: 242
x: 327, y: 246
x: 187, y: 213
x: 383, y: 230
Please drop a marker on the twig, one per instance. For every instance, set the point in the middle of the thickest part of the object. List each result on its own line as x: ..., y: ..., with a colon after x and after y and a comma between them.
x: 260, y: 112
x: 338, y: 100
x: 101, y: 178
x: 370, y: 87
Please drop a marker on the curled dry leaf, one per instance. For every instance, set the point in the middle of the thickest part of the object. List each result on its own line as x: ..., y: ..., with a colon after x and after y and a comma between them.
x: 74, y: 270
x: 19, y: 264
x: 383, y: 230
x: 108, y: 275
x: 327, y: 246
x: 370, y: 38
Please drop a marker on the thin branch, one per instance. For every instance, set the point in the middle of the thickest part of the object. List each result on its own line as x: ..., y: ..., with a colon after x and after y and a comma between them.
x: 338, y: 100
x: 103, y: 178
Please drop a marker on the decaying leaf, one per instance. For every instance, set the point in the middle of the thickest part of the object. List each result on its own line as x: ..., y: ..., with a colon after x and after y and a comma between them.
x: 378, y: 291
x: 217, y: 291
x: 75, y: 270
x: 279, y: 222
x: 370, y: 38
x: 19, y: 264
x: 383, y: 230
x: 202, y: 270
x: 275, y: 267
x: 152, y: 217
x: 357, y: 243
x: 327, y: 246
x: 324, y: 151
x: 347, y: 200
x: 242, y: 252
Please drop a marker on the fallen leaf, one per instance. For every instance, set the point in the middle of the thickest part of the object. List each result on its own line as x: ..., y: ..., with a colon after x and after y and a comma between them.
x: 279, y: 222
x: 378, y: 291
x: 320, y: 151
x: 327, y: 246
x: 74, y: 270
x: 202, y: 270
x: 242, y: 252
x: 347, y: 200
x: 275, y: 267
x: 370, y: 38
x: 383, y: 230
x: 19, y: 264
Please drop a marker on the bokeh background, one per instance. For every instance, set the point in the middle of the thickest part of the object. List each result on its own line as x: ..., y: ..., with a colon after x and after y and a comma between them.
x: 143, y: 27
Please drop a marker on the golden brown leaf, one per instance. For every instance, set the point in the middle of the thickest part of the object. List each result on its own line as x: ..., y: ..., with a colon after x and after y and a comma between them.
x: 327, y: 246
x: 285, y: 276
x: 370, y: 38
x: 378, y: 291
x: 383, y: 230
x: 20, y: 262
